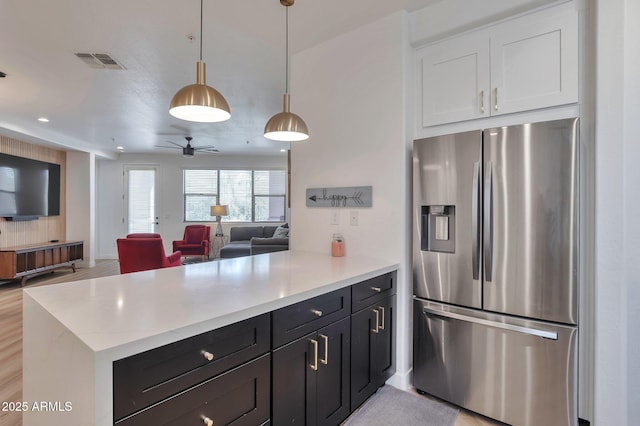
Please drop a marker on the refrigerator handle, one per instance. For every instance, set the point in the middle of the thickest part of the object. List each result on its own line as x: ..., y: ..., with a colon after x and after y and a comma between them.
x: 488, y: 222
x: 501, y: 325
x: 475, y: 218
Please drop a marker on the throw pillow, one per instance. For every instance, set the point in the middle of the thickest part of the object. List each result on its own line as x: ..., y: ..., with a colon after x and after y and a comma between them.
x: 281, y: 232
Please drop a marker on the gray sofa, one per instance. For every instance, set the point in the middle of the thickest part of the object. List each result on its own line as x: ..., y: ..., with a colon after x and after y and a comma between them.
x: 248, y: 240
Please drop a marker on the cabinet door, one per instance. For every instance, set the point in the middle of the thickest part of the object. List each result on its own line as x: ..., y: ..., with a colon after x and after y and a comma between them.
x: 363, y: 384
x: 384, y: 342
x: 294, y: 382
x: 333, y: 373
x: 311, y: 378
x: 534, y: 62
x: 453, y: 77
x: 371, y: 349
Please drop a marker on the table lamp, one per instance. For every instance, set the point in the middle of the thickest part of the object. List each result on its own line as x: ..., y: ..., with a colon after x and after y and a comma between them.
x: 219, y: 211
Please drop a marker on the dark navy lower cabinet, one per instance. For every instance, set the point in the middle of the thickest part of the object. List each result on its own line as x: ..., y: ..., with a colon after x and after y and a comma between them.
x: 239, y: 397
x: 307, y: 364
x: 372, y: 349
x: 311, y: 378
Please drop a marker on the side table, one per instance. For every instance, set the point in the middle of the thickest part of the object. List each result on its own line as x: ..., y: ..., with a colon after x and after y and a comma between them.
x: 217, y: 242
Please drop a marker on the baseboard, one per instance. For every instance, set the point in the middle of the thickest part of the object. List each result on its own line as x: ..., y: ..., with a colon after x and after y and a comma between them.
x: 401, y: 380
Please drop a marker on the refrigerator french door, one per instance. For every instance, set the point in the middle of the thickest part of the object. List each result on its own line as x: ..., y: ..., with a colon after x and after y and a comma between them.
x: 495, y: 252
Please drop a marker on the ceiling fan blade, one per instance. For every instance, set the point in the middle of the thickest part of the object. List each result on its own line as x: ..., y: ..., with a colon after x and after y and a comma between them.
x: 170, y: 147
x: 209, y: 150
x: 205, y: 148
x: 176, y: 144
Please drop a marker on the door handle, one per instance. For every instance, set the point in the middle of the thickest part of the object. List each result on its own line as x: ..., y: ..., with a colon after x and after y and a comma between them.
x: 482, y: 101
x: 381, y: 317
x: 314, y: 364
x: 509, y: 327
x: 488, y: 222
x: 325, y: 361
x: 475, y: 218
x: 495, y: 98
x: 377, y: 321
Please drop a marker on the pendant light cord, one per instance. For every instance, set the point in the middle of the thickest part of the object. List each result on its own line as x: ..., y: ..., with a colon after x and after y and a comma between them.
x: 201, y: 9
x: 286, y: 85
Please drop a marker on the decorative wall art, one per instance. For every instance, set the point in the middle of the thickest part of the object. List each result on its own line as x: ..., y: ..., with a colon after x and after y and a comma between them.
x: 351, y: 196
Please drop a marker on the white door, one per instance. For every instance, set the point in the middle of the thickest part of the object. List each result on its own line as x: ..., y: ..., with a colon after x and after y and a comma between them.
x: 454, y: 80
x: 141, y: 199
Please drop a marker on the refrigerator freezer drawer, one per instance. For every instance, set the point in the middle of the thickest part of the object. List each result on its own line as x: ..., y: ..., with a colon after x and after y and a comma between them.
x: 518, y: 371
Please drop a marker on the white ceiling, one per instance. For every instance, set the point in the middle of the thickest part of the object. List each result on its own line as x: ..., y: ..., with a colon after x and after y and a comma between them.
x: 99, y: 109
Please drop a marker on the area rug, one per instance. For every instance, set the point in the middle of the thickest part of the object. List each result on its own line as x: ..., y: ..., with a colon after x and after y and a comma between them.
x: 391, y: 407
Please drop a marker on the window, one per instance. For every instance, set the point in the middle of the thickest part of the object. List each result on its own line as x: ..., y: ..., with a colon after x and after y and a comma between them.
x: 252, y: 195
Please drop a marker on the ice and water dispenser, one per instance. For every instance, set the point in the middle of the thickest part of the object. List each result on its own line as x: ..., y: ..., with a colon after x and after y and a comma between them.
x: 438, y: 228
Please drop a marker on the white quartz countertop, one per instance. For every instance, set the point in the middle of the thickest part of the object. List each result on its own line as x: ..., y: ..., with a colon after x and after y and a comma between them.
x: 125, y: 314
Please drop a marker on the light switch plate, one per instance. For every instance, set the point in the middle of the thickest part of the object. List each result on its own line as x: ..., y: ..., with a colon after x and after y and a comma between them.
x: 353, y: 217
x: 335, y: 217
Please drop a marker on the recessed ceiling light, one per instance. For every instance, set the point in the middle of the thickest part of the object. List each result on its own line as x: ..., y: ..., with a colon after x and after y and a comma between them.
x: 283, y: 150
x: 120, y: 148
x: 43, y: 119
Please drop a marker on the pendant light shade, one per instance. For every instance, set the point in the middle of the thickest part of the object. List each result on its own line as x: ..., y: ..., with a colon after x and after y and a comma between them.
x: 199, y: 102
x: 286, y: 126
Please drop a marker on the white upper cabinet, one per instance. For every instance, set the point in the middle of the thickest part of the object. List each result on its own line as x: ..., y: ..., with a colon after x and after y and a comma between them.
x: 454, y: 78
x: 526, y: 63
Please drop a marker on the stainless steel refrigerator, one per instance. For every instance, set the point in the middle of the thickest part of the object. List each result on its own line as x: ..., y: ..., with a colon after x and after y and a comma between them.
x: 495, y: 271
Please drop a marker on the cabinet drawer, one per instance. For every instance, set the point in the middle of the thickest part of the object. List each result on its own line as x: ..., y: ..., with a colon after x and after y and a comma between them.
x: 372, y: 291
x: 292, y: 322
x: 240, y: 397
x: 146, y: 378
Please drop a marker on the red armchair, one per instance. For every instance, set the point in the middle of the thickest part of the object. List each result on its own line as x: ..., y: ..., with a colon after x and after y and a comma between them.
x: 141, y: 254
x: 195, y: 241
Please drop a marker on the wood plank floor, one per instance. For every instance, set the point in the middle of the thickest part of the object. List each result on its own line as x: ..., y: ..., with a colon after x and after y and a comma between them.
x: 11, y: 329
x: 11, y: 337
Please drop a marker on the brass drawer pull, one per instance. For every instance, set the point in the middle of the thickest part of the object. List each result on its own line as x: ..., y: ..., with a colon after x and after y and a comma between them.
x: 378, y: 289
x: 325, y: 361
x: 207, y: 421
x: 314, y: 365
x: 316, y: 312
x: 375, y: 330
x: 207, y: 355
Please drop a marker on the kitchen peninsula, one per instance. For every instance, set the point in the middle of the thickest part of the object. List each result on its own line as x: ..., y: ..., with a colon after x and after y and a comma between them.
x: 84, y: 340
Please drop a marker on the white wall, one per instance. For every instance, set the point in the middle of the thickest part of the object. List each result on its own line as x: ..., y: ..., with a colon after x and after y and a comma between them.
x: 110, y: 184
x: 81, y: 207
x: 454, y: 16
x: 617, y: 374
x: 350, y: 92
x: 358, y: 140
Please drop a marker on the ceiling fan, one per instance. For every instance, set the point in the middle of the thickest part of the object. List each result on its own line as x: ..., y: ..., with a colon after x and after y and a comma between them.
x: 188, y: 150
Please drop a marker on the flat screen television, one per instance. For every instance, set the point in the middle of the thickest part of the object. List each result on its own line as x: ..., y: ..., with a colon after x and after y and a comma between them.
x: 28, y: 188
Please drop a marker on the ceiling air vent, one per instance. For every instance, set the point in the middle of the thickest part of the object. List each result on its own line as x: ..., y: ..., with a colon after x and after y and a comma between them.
x: 100, y: 60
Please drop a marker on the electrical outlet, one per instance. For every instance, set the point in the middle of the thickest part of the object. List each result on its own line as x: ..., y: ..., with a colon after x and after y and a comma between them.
x: 353, y: 217
x: 335, y: 217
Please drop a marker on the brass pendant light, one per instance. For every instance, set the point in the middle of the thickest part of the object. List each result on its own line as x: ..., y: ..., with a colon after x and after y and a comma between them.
x: 286, y: 126
x: 199, y: 102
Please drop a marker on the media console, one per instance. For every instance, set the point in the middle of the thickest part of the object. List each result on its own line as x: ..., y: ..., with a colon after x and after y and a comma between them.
x: 24, y: 262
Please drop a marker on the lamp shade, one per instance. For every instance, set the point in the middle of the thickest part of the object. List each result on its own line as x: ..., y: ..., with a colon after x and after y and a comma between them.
x: 219, y: 210
x: 286, y: 126
x: 199, y: 102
